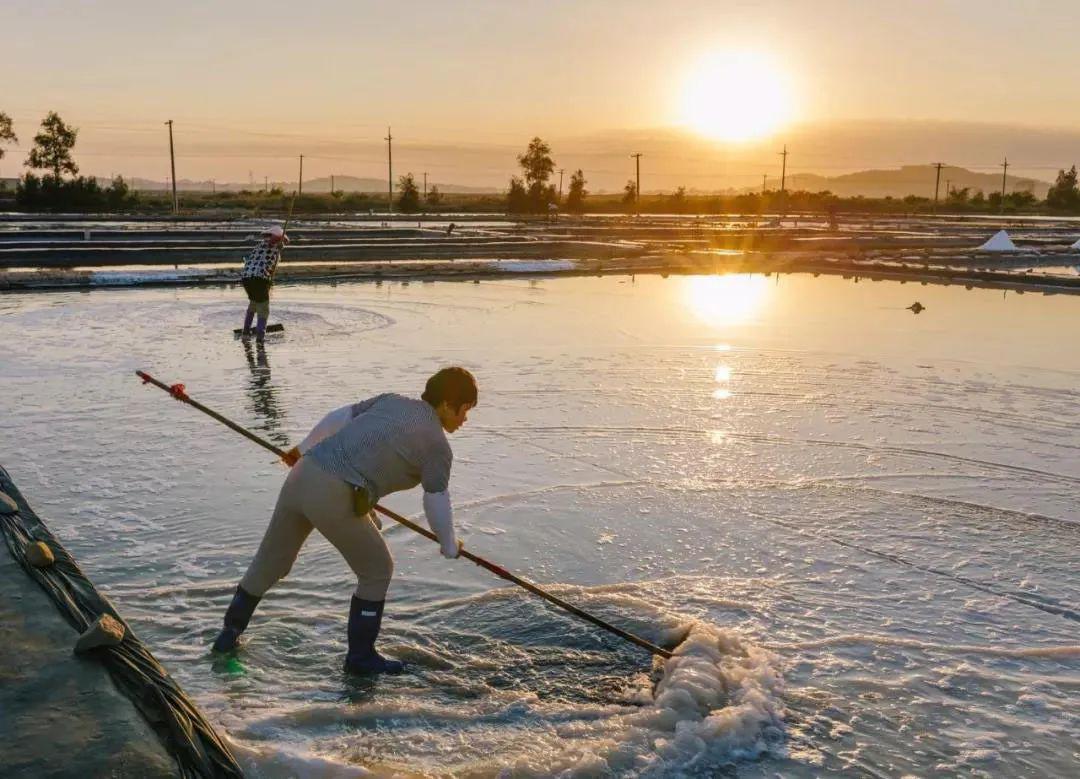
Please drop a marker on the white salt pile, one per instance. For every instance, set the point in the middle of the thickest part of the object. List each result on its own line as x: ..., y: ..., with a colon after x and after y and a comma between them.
x: 999, y: 242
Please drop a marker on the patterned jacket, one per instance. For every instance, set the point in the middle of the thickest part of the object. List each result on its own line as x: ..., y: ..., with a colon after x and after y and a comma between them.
x: 262, y: 261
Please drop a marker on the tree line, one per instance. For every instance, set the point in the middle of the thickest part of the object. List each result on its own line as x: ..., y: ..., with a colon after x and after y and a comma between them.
x: 60, y: 187
x: 530, y: 193
x: 52, y: 153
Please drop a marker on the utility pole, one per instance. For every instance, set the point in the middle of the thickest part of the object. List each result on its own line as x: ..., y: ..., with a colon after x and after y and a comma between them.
x: 948, y: 188
x: 213, y: 186
x: 300, y: 183
x: 172, y: 165
x: 425, y: 185
x: 637, y: 185
x: 764, y: 183
x: 331, y: 183
x: 1004, y: 171
x: 783, y: 169
x: 560, y: 184
x: 389, y: 171
x: 937, y: 182
x: 266, y: 183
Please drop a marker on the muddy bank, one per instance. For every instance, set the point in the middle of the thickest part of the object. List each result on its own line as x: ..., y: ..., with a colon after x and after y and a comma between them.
x: 1036, y: 274
x: 150, y: 251
x: 933, y: 250
x: 119, y: 242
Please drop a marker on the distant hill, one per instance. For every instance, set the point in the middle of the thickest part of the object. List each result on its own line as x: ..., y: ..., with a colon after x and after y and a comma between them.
x: 849, y: 157
x: 895, y: 182
x: 341, y: 183
x: 354, y: 184
x: 911, y: 180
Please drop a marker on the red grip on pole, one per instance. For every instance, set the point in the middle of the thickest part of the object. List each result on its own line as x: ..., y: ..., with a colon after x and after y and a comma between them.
x: 177, y: 391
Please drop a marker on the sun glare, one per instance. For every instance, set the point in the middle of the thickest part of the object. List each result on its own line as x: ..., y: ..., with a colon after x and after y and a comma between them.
x: 736, y: 96
x: 725, y: 300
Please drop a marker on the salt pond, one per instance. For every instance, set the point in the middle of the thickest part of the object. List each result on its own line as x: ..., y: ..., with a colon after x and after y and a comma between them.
x: 868, y: 519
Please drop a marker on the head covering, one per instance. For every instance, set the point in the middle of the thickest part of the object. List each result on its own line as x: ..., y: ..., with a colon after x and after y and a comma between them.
x: 277, y: 232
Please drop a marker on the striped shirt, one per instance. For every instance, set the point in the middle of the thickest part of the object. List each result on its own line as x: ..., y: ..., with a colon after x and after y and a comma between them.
x: 392, y: 443
x: 328, y: 425
x: 262, y: 261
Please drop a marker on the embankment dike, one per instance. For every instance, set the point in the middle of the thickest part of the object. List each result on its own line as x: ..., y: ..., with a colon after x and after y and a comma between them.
x: 927, y: 249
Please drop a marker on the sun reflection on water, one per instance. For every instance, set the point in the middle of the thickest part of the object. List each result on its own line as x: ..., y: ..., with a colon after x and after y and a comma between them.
x: 730, y: 299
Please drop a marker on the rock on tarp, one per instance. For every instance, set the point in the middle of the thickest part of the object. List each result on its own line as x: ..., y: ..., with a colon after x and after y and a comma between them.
x: 1000, y: 242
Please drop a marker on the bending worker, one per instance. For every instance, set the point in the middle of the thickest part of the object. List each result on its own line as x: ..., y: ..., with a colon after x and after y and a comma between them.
x: 354, y: 457
x: 257, y: 275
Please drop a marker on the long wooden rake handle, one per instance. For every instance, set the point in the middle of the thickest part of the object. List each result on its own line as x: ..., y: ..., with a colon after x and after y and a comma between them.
x: 178, y: 391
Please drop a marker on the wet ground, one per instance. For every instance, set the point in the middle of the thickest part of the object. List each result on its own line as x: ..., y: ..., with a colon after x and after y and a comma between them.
x: 866, y: 518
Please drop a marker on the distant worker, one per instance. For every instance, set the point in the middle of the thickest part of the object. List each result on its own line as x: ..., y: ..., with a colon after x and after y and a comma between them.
x: 450, y: 228
x: 258, y: 275
x: 831, y: 212
x: 355, y: 456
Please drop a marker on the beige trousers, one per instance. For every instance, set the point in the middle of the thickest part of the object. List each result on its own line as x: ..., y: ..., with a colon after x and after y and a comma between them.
x: 312, y: 498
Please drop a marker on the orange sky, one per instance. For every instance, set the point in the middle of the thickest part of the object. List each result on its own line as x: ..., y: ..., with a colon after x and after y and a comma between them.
x: 250, y: 85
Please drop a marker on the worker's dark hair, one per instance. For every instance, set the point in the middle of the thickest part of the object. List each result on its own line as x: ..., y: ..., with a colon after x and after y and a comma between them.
x: 455, y: 386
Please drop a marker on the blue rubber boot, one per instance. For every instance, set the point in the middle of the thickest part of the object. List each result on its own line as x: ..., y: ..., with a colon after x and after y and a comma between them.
x: 365, y: 619
x: 236, y: 619
x: 249, y: 317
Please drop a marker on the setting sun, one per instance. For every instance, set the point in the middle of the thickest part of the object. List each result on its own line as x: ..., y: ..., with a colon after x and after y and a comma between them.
x: 736, y: 96
x: 725, y: 300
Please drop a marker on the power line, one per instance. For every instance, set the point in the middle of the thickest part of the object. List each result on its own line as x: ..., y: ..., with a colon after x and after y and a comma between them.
x: 172, y: 166
x: 1004, y: 171
x: 748, y: 166
x: 637, y: 185
x: 389, y: 171
x: 937, y: 182
x: 783, y: 169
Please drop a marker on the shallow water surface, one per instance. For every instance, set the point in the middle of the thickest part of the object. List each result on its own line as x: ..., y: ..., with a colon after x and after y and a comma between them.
x: 866, y: 520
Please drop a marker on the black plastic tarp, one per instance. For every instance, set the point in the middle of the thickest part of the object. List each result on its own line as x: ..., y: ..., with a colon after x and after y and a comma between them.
x: 185, y: 733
